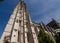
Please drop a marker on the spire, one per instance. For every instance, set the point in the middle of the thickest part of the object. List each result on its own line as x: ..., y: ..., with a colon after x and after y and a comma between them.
x: 20, y: 0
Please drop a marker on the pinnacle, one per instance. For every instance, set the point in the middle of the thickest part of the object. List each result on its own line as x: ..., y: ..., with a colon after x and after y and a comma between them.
x: 20, y: 0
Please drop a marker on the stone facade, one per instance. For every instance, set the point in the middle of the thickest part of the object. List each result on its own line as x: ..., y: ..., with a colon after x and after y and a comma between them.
x: 20, y: 28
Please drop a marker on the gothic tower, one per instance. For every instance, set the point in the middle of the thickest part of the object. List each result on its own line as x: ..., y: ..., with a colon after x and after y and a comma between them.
x: 20, y: 28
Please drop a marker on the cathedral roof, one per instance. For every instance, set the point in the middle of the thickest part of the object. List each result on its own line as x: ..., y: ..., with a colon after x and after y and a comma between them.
x: 54, y: 24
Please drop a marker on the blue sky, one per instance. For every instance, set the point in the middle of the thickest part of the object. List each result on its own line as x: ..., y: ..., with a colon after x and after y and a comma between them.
x: 39, y: 10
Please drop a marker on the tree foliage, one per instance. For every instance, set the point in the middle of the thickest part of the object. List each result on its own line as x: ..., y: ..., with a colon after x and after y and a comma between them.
x: 44, y: 38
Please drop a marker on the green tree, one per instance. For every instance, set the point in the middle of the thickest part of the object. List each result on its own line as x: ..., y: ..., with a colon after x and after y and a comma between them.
x: 44, y: 37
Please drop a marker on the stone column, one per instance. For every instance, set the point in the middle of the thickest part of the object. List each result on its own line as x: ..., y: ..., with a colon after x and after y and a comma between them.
x: 34, y: 35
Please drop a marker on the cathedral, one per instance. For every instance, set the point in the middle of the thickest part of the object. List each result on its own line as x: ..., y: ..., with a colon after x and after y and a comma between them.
x: 20, y: 28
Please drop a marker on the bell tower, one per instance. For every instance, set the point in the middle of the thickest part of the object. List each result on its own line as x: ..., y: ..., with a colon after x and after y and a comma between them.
x: 20, y: 28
